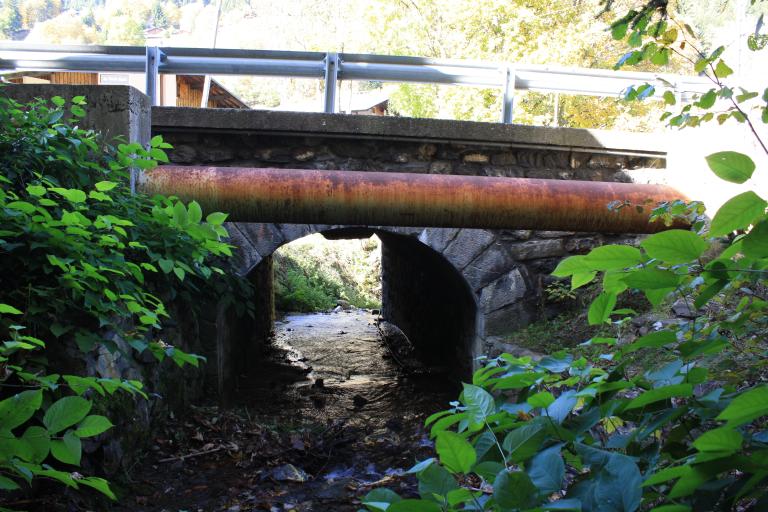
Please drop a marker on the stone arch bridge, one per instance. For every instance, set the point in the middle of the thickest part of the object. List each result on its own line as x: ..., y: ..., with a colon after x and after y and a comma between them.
x: 454, y: 292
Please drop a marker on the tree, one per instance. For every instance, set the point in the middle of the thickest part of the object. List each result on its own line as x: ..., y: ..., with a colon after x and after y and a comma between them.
x: 10, y: 19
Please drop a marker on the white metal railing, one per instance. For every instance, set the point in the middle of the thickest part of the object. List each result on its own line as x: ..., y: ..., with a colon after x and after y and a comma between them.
x: 332, y: 67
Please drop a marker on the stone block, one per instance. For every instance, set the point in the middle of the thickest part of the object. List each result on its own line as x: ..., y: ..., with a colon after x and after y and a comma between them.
x: 293, y: 232
x: 554, y: 234
x: 506, y: 290
x: 303, y: 154
x: 265, y: 238
x: 607, y: 162
x: 182, y: 154
x: 506, y: 158
x: 493, y: 263
x: 533, y: 249
x: 438, y: 238
x: 246, y: 255
x: 427, y: 151
x: 508, y: 319
x: 440, y: 167
x: 502, y: 172
x: 467, y: 245
x: 219, y: 154
x: 515, y: 234
x: 476, y: 158
x: 581, y: 245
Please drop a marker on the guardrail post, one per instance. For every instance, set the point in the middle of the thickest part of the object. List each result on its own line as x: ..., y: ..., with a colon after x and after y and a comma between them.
x: 331, y: 78
x: 507, y: 108
x: 152, y: 71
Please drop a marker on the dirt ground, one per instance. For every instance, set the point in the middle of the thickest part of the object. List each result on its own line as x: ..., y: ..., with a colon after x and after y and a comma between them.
x: 330, y: 415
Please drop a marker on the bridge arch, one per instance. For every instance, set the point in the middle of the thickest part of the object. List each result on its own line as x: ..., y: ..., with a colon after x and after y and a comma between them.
x: 441, y: 286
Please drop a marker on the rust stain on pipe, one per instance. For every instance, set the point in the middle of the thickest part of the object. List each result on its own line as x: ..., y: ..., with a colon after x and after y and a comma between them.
x: 396, y: 199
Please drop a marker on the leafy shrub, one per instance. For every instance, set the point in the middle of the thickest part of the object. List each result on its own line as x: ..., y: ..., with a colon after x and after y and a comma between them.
x: 595, y: 430
x: 311, y: 274
x: 84, y: 263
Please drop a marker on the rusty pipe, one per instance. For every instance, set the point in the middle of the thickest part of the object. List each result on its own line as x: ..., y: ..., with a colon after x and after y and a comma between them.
x: 396, y: 199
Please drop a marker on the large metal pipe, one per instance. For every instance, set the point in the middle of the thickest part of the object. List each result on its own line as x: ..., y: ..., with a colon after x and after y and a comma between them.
x: 396, y: 199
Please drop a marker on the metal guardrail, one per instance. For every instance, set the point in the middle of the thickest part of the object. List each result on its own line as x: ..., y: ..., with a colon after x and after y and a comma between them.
x: 333, y: 67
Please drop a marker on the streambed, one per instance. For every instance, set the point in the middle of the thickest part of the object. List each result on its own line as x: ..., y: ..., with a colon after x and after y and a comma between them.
x: 331, y: 414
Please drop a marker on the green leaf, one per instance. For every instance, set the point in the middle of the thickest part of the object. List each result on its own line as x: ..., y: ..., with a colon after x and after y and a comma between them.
x: 661, y: 58
x: 39, y: 441
x: 542, y: 400
x: 216, y: 218
x: 672, y: 508
x: 525, y: 441
x: 722, y: 70
x: 455, y: 452
x: 619, y: 29
x: 737, y: 213
x: 662, y: 393
x: 514, y: 490
x: 36, y: 190
x: 435, y: 480
x: 381, y: 496
x: 547, y: 470
x: 72, y: 195
x: 651, y: 278
x: 562, y: 407
x: 195, y: 213
x: 746, y: 407
x: 68, y: 450
x: 479, y: 403
x: 180, y: 214
x: 99, y: 484
x: 651, y: 340
x: 414, y: 506
x: 165, y: 265
x: 6, y: 484
x: 6, y: 309
x: 722, y: 440
x: 93, y: 426
x: 755, y: 244
x: 105, y: 186
x: 601, y: 308
x: 669, y: 98
x: 613, y: 257
x: 707, y: 100
x: 65, y: 412
x: 675, y: 246
x: 731, y: 166
x: 17, y: 409
x: 580, y: 279
x: 572, y: 265
x: 58, y: 101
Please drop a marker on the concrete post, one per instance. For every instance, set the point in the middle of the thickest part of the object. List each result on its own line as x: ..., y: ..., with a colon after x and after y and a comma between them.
x: 117, y: 111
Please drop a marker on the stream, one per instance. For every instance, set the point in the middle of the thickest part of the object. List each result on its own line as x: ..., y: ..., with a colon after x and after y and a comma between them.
x: 331, y: 414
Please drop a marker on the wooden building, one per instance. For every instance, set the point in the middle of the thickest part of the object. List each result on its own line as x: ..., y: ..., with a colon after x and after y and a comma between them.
x: 174, y: 90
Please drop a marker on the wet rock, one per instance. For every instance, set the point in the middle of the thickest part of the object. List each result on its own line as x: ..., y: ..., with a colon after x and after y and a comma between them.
x: 289, y: 473
x: 359, y: 400
x: 683, y: 309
